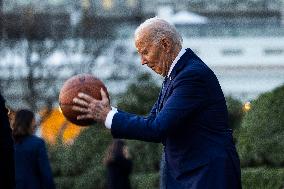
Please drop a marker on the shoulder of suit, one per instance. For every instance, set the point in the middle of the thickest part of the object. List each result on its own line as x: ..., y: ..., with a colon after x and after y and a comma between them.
x: 1, y: 98
x: 36, y: 140
x: 199, y: 67
x: 196, y: 70
x: 2, y: 101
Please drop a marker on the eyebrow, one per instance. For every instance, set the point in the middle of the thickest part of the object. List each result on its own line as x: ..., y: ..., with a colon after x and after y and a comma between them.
x: 140, y: 51
x: 143, y: 50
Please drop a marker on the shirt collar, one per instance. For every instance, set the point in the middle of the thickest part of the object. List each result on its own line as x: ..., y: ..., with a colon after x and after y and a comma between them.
x: 181, y: 52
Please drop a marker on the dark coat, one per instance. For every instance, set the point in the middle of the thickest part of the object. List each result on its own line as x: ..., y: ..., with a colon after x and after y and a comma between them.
x: 7, y: 168
x: 190, y: 118
x: 118, y: 172
x: 32, y: 166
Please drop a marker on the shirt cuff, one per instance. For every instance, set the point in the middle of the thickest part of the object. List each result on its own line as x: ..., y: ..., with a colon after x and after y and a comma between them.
x: 108, y: 121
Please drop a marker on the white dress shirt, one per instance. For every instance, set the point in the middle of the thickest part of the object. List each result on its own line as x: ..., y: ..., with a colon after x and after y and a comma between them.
x: 108, y: 121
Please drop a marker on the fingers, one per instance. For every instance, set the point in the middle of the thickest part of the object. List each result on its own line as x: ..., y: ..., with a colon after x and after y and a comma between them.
x: 80, y: 102
x: 84, y: 100
x: 80, y: 109
x: 91, y: 108
x: 86, y: 97
x: 104, y: 96
x: 85, y: 116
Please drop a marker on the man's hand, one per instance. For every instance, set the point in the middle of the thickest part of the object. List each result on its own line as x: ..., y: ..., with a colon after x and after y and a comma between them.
x: 92, y: 108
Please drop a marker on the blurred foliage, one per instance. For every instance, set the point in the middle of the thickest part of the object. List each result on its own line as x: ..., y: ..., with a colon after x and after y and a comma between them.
x: 235, y: 115
x: 235, y: 112
x: 140, y: 96
x: 145, y: 180
x: 261, y: 138
x: 263, y: 178
x: 80, y: 165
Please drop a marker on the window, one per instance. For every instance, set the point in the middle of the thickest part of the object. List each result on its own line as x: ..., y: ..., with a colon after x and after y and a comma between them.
x: 232, y: 52
x: 273, y: 51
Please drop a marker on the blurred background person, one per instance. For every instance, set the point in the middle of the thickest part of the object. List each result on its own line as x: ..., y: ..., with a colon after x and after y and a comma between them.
x: 7, y: 168
x: 31, y: 161
x: 118, y: 164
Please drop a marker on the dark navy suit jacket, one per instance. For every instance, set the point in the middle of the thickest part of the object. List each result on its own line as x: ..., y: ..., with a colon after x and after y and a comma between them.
x: 190, y: 119
x: 7, y: 168
x: 32, y: 166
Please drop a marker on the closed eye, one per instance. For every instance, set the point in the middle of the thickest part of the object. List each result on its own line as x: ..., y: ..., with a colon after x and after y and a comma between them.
x: 145, y: 52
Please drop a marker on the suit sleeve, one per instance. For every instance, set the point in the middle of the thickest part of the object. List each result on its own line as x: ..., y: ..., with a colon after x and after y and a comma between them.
x: 188, y: 97
x: 153, y: 111
x: 44, y: 168
x: 7, y: 167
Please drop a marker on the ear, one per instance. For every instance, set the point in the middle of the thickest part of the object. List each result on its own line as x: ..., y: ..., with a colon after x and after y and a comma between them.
x: 166, y: 44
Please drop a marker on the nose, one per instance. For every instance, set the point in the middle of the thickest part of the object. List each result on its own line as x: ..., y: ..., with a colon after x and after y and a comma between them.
x: 143, y: 61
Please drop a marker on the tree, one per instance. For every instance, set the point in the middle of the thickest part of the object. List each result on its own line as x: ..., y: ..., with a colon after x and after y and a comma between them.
x: 140, y: 95
x: 261, y: 139
x: 81, y: 165
x: 235, y: 112
x: 39, y: 84
x: 235, y: 115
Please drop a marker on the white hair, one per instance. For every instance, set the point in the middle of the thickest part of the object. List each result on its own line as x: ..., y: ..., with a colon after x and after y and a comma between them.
x: 159, y: 28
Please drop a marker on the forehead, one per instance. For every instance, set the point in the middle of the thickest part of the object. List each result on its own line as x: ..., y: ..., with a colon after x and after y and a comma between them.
x: 142, y: 38
x: 140, y: 44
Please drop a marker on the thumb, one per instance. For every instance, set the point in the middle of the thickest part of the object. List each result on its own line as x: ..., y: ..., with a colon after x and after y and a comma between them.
x: 104, y: 96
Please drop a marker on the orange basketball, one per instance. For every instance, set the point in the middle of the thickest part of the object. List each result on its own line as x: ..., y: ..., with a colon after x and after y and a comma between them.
x: 85, y: 83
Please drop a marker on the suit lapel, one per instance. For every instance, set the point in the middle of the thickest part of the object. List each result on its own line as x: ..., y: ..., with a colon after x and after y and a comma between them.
x: 184, y: 59
x: 168, y: 83
x: 165, y: 91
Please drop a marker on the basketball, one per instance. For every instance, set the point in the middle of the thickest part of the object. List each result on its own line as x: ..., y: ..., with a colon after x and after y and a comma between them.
x: 85, y: 83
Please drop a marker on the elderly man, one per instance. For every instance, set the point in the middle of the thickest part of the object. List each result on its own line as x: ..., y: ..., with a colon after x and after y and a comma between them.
x: 189, y: 117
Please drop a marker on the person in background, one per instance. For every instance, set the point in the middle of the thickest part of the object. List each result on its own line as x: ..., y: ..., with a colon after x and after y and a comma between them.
x: 118, y: 164
x: 7, y: 167
x: 31, y: 161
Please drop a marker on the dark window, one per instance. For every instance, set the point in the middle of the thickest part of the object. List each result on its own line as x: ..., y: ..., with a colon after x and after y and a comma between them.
x: 273, y: 51
x: 232, y: 52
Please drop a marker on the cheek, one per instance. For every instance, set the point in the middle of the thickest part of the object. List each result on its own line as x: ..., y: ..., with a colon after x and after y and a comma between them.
x: 159, y: 67
x: 160, y: 61
x: 155, y: 59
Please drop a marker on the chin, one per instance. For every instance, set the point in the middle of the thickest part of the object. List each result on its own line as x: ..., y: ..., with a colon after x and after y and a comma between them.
x: 157, y: 72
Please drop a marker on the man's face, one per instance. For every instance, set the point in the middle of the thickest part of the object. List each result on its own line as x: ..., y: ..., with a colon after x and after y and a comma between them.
x: 153, y: 55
